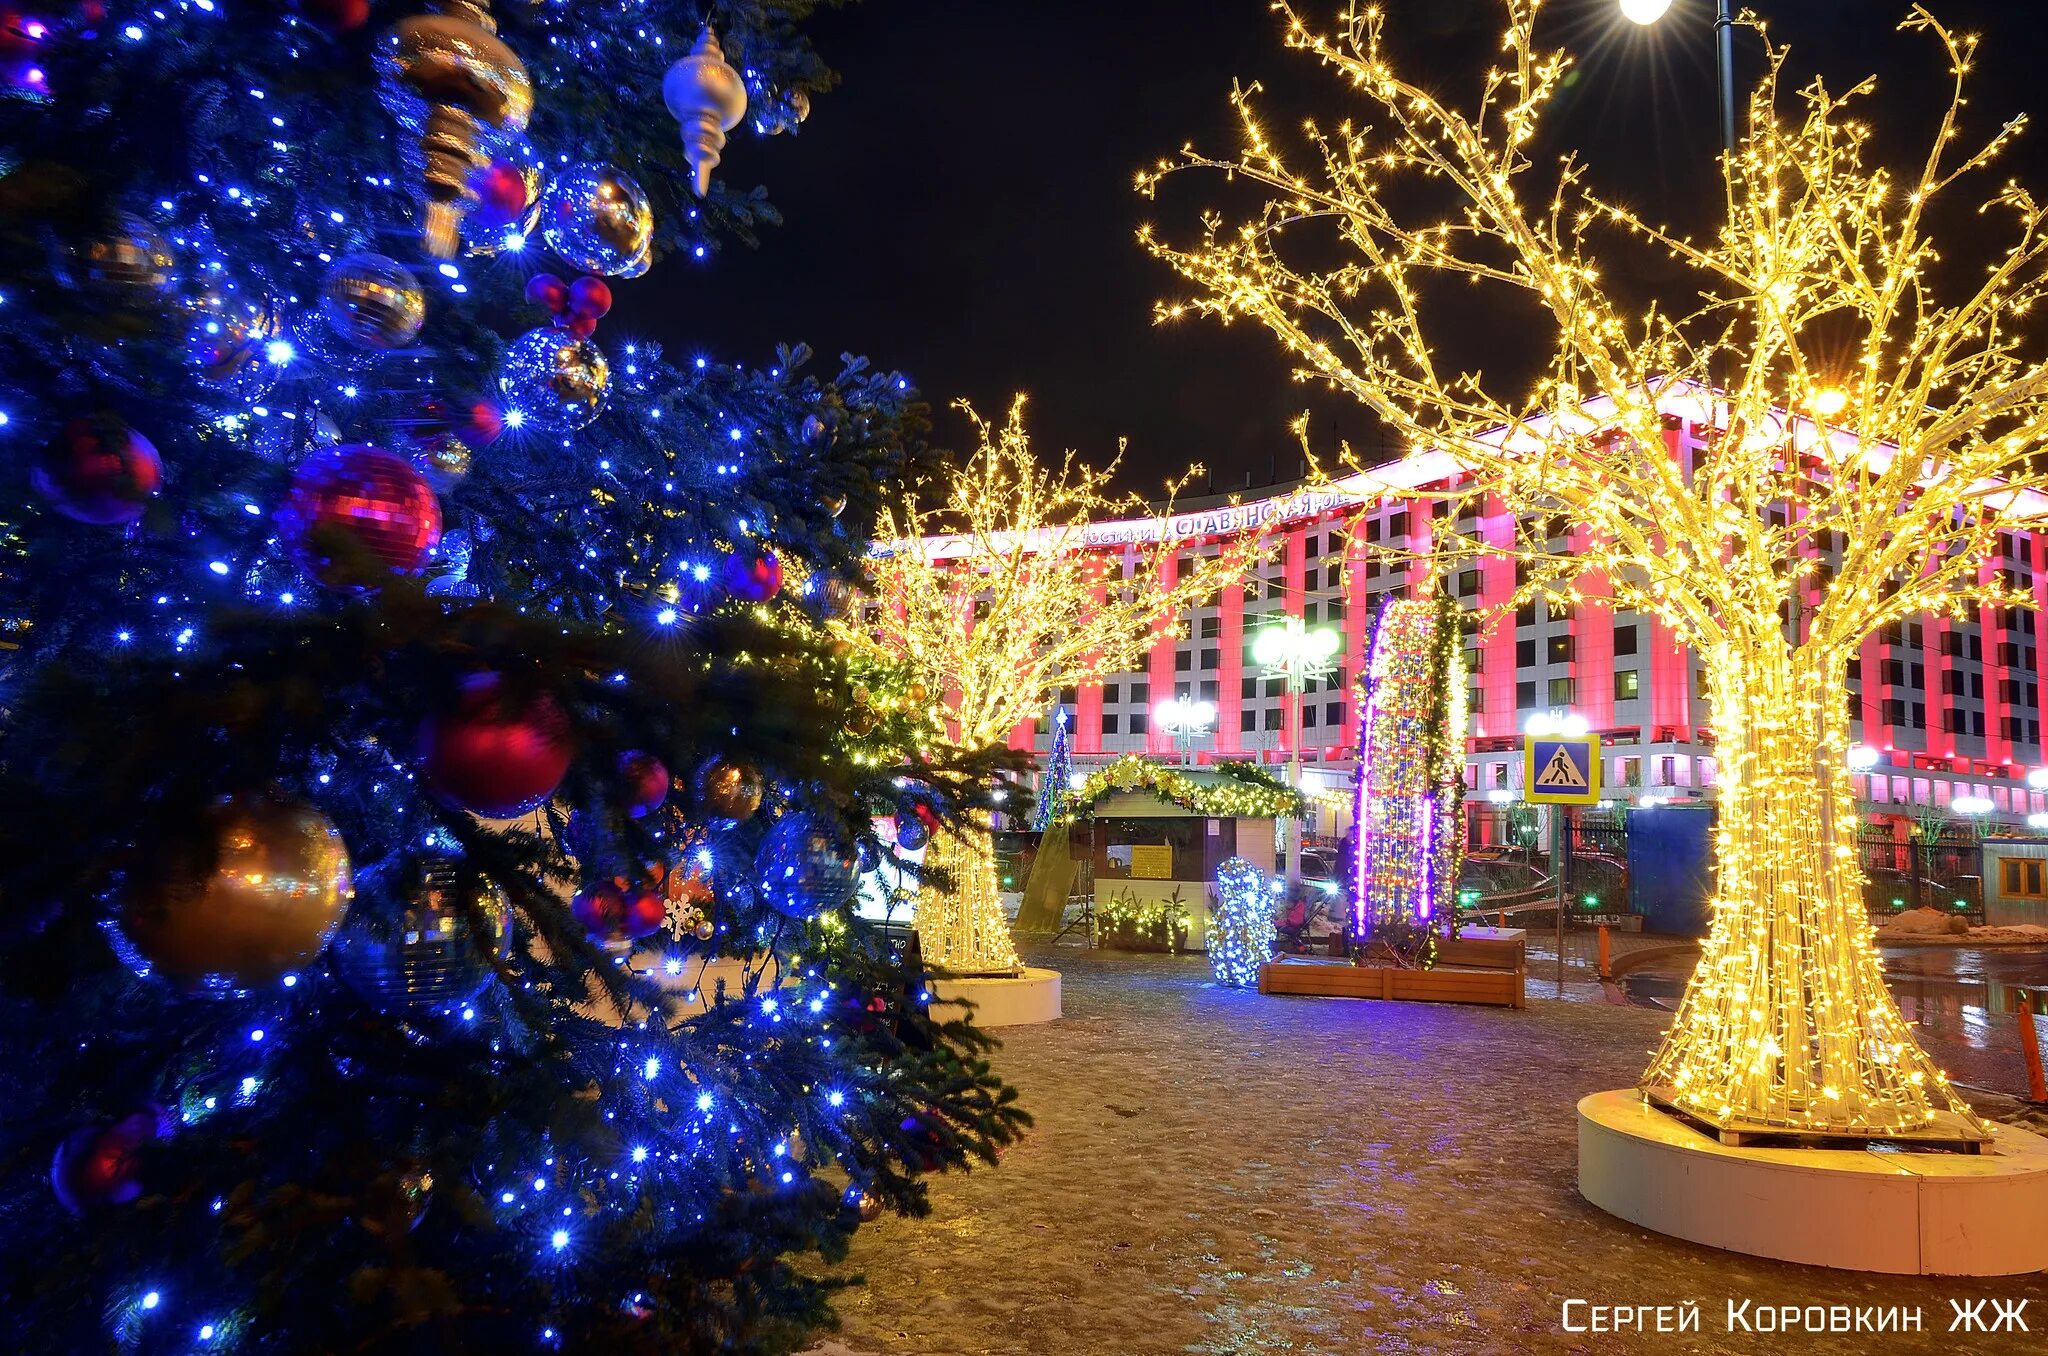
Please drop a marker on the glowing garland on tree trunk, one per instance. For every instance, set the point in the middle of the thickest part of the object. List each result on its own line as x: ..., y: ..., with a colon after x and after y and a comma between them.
x: 1408, y: 793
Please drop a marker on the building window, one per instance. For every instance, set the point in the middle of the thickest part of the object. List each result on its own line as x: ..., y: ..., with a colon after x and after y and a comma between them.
x: 1625, y: 638
x: 1138, y: 722
x: 1333, y: 713
x: 1628, y: 685
x: 1272, y: 717
x: 1211, y: 627
x: 1248, y: 688
x: 1110, y: 693
x: 1275, y: 686
x: 1249, y: 720
x: 1560, y: 648
x: 1333, y: 576
x: 1525, y: 615
x: 1560, y: 692
x: 1631, y: 772
x: 1468, y: 583
x: 1525, y: 696
x: 1472, y: 702
x: 1308, y: 717
x: 1208, y: 690
x: 1211, y: 660
x: 1525, y: 654
x: 2023, y: 878
x: 1310, y: 613
x: 1141, y: 693
x: 1183, y: 660
x: 1109, y: 722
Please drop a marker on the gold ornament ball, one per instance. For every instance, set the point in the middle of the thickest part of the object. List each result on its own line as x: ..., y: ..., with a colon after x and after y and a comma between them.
x: 444, y: 460
x: 916, y: 694
x: 127, y: 260
x: 597, y: 217
x: 869, y: 1206
x: 372, y: 302
x: 729, y: 790
x: 860, y: 721
x: 253, y: 895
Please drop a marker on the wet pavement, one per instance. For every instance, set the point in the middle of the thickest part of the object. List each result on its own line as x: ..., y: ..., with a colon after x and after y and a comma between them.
x: 1963, y: 1002
x: 1219, y: 1172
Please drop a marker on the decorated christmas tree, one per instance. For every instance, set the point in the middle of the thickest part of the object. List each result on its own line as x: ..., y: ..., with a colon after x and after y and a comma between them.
x: 430, y: 809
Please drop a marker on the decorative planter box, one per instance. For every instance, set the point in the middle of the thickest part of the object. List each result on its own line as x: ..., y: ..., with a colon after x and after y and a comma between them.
x: 1441, y: 984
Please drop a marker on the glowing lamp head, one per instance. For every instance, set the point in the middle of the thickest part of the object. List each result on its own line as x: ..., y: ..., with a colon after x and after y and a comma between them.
x: 2038, y: 778
x: 1271, y: 647
x: 2037, y: 821
x: 1830, y: 401
x: 1971, y: 805
x: 1861, y: 757
x: 1644, y: 11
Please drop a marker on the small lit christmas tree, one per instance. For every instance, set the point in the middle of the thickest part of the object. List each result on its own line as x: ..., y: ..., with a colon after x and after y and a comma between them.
x: 990, y: 593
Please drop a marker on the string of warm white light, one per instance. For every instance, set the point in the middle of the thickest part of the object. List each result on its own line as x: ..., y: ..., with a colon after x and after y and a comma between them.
x: 1234, y: 791
x: 1872, y: 437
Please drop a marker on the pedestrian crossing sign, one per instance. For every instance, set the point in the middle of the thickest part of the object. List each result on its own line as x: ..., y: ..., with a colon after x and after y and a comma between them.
x: 1561, y: 769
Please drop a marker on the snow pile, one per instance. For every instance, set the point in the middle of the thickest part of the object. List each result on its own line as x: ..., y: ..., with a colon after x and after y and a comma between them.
x: 1923, y: 922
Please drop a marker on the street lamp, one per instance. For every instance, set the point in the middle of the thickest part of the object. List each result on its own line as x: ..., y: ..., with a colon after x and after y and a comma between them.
x: 1650, y: 11
x: 1861, y: 758
x: 1186, y: 721
x: 1290, y: 650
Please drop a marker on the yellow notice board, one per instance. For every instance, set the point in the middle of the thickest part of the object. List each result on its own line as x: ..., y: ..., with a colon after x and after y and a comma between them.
x: 1151, y: 861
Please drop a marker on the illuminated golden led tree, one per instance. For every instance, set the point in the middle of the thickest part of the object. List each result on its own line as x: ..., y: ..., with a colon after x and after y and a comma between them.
x: 1880, y: 414
x: 993, y: 595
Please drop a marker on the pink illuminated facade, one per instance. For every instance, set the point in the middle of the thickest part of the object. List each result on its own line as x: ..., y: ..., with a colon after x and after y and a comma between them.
x: 1949, y: 709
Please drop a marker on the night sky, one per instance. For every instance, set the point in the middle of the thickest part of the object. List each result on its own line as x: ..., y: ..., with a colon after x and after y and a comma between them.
x: 961, y: 207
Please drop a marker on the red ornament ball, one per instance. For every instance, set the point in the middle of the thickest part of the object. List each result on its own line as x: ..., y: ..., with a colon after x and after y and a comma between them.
x: 646, y: 911
x: 499, y: 752
x: 374, y: 497
x: 486, y: 422
x: 752, y: 576
x: 500, y: 195
x: 547, y: 291
x: 336, y: 16
x: 610, y: 912
x: 644, y: 780
x: 476, y: 422
x: 599, y: 908
x: 591, y: 297
x: 582, y: 326
x: 101, y: 1165
x: 99, y: 471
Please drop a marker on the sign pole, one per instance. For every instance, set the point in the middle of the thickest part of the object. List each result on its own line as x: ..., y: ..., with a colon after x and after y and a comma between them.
x: 1560, y: 771
x: 1557, y: 848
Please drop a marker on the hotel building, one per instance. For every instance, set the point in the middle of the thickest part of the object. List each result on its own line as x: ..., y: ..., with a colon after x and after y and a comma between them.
x: 1948, y: 710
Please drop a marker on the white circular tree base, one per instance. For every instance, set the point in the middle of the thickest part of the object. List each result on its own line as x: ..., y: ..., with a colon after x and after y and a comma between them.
x: 1033, y: 996
x: 1932, y: 1214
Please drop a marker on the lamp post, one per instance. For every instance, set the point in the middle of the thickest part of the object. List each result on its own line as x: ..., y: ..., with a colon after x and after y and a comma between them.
x: 1647, y: 12
x: 1292, y: 651
x: 1186, y: 721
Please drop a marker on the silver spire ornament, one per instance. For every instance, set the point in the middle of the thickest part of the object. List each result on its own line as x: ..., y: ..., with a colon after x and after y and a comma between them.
x: 446, y: 75
x: 708, y: 98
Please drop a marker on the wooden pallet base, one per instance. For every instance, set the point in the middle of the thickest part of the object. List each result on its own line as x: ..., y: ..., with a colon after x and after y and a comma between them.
x: 1442, y: 984
x: 1949, y: 1133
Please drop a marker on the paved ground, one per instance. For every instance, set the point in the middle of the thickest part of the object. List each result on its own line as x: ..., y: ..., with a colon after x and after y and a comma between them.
x: 1218, y: 1172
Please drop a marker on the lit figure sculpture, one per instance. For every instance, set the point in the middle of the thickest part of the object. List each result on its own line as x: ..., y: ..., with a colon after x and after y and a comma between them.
x: 1408, y: 794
